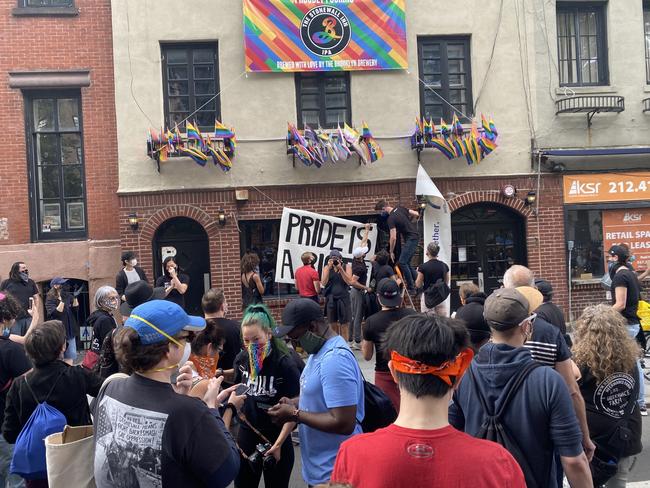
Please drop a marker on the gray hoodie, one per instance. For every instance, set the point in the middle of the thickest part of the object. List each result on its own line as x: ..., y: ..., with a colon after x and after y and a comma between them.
x: 540, y: 418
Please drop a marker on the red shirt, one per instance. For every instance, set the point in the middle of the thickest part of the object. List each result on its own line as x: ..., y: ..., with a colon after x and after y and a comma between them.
x: 305, y: 277
x: 397, y: 456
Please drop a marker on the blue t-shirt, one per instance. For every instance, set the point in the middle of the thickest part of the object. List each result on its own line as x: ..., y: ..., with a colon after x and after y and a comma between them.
x: 331, y: 379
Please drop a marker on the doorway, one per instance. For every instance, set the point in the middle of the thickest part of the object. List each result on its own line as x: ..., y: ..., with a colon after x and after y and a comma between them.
x: 185, y: 240
x: 486, y: 240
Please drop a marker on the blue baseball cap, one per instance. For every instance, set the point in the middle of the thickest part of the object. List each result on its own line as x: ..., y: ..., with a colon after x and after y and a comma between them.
x: 57, y: 281
x: 158, y: 320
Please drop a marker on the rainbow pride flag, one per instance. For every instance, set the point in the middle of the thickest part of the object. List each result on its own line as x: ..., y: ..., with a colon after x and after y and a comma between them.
x: 294, y: 35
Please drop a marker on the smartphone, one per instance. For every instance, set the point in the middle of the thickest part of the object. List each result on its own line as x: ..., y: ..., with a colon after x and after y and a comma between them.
x: 263, y: 406
x: 241, y: 390
x: 31, y: 303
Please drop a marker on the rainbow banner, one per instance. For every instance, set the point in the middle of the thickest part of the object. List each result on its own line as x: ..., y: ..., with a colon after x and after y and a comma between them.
x: 324, y: 35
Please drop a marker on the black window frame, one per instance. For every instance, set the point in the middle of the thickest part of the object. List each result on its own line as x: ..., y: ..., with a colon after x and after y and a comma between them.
x: 35, y: 217
x: 646, y: 39
x: 444, y: 91
x: 322, y: 92
x: 26, y: 4
x: 190, y: 46
x: 601, y: 40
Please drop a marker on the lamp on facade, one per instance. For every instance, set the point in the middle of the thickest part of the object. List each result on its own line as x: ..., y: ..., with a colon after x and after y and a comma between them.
x: 508, y: 191
x: 221, y: 217
x: 133, y: 221
x: 422, y: 203
x: 531, y: 198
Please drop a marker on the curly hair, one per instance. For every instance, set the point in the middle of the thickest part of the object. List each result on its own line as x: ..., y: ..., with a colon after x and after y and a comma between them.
x: 249, y: 262
x: 602, y: 342
x: 9, y: 307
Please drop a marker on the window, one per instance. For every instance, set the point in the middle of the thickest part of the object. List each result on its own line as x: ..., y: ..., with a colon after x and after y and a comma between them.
x: 582, y: 47
x: 646, y: 30
x: 57, y: 180
x: 445, y: 69
x: 323, y: 99
x: 585, y: 229
x: 46, y: 3
x: 190, y: 83
x: 262, y: 236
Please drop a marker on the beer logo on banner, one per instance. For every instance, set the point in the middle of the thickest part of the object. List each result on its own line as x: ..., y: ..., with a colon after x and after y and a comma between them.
x: 632, y: 217
x: 325, y: 31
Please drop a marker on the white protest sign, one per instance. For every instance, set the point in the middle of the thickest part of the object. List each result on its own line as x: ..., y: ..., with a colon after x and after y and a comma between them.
x: 302, y: 231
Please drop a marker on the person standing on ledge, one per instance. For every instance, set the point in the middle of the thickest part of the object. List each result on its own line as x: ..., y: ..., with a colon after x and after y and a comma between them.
x: 399, y: 221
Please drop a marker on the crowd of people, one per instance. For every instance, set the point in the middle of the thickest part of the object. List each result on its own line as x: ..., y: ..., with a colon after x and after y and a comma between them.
x: 497, y: 395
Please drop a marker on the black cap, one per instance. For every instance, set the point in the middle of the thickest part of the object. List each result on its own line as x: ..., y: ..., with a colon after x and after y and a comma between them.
x: 620, y: 252
x: 388, y: 293
x: 545, y: 288
x: 138, y: 293
x: 301, y: 311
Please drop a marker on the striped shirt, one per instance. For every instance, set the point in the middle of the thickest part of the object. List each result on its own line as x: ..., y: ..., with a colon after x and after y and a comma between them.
x: 547, y: 346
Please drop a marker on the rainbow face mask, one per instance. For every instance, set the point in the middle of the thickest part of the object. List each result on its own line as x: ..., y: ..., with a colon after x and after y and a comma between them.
x: 256, y: 355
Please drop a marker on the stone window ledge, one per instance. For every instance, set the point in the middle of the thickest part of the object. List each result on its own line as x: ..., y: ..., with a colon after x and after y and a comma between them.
x: 45, y: 12
x: 26, y: 80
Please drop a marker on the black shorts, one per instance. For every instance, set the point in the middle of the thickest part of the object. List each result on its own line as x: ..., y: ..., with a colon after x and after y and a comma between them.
x: 339, y: 309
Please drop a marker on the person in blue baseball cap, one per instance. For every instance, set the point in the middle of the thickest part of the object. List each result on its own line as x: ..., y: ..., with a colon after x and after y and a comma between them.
x: 177, y: 439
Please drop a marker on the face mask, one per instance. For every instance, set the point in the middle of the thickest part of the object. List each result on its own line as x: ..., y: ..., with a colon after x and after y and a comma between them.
x: 206, y: 366
x: 134, y: 262
x: 171, y: 270
x: 24, y: 276
x: 113, y: 303
x: 632, y: 258
x: 384, y: 213
x: 311, y: 343
x: 186, y: 354
x: 256, y: 355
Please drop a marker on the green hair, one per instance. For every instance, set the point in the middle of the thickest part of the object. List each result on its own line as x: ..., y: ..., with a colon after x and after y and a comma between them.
x: 259, y: 314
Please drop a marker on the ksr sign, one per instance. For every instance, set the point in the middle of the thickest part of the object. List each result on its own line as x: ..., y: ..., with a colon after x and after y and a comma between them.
x: 607, y: 187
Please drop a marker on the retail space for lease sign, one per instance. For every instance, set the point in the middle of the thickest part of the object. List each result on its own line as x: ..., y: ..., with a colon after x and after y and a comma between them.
x: 324, y: 35
x: 631, y: 227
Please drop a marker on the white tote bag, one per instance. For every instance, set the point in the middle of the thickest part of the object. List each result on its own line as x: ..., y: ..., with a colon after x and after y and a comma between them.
x: 70, y: 456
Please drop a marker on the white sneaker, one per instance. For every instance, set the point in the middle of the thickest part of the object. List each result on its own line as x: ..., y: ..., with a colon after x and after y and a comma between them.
x: 644, y: 411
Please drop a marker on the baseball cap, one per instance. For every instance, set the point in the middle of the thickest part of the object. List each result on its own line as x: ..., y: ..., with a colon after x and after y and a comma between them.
x: 58, y: 281
x: 619, y: 251
x: 388, y: 293
x: 534, y: 297
x: 158, y: 320
x: 505, y: 308
x: 300, y: 311
x: 336, y: 254
x: 137, y: 293
x: 545, y: 288
x: 360, y: 251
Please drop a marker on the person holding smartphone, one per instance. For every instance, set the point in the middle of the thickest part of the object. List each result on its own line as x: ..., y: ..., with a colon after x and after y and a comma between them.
x: 337, y: 280
x: 267, y: 368
x: 174, y: 281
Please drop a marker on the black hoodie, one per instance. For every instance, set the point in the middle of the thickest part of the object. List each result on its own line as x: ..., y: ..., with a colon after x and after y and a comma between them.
x: 540, y: 418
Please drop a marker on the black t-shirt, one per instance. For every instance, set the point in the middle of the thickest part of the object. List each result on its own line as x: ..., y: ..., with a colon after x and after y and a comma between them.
x: 69, y: 386
x: 606, y: 403
x: 336, y: 286
x: 278, y: 378
x: 552, y: 314
x: 13, y: 363
x: 627, y: 279
x: 360, y: 269
x: 375, y: 328
x: 21, y: 291
x: 381, y: 271
x: 174, y: 295
x: 102, y: 323
x: 433, y: 270
x: 400, y: 219
x: 232, y: 345
x: 146, y: 431
x: 547, y: 346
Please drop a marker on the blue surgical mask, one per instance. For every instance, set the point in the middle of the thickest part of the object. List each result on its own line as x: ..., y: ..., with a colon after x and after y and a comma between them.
x: 384, y: 214
x: 611, y: 265
x: 632, y: 258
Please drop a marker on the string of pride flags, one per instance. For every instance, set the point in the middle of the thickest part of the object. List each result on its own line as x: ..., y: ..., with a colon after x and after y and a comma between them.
x: 315, y: 147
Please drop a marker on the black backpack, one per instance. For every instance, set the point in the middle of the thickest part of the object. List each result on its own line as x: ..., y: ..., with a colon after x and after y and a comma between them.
x: 493, y: 430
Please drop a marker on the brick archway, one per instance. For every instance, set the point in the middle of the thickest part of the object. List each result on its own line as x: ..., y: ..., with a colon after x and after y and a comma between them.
x: 190, y: 211
x: 474, y: 197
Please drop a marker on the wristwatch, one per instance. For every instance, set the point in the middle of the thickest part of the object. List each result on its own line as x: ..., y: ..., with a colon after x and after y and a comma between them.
x: 232, y: 408
x: 296, y: 415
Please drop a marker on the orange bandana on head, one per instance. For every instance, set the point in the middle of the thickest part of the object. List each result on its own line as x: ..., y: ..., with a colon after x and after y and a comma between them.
x: 206, y: 366
x: 454, y: 367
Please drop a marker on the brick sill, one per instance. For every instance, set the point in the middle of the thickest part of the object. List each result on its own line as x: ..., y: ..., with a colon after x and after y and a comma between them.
x: 45, y: 12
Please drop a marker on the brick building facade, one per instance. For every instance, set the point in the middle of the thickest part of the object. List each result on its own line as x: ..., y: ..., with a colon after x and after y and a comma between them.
x: 58, y: 209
